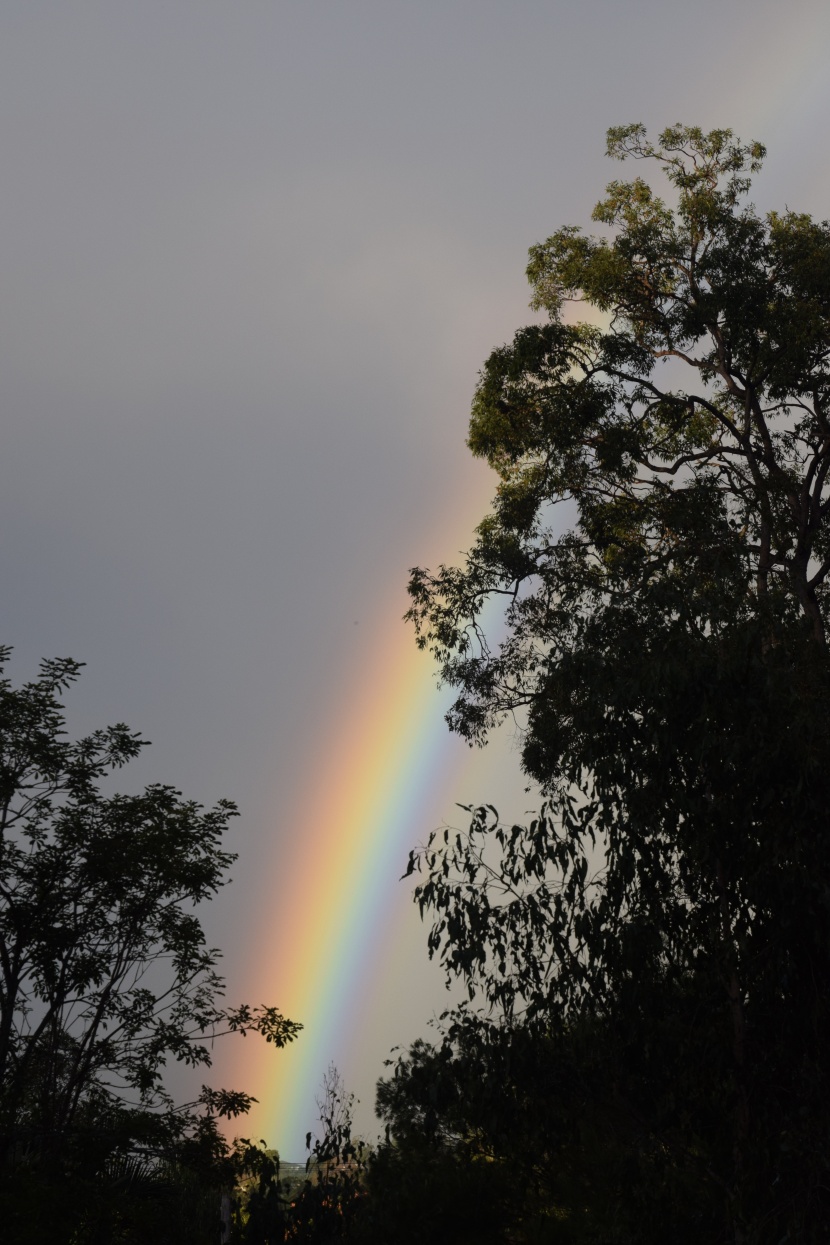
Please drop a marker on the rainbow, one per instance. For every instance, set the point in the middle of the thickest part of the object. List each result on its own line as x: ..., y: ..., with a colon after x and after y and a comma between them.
x: 354, y: 844
x: 331, y: 929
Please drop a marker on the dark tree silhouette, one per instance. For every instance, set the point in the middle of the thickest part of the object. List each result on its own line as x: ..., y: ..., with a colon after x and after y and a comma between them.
x: 104, y: 971
x: 665, y: 658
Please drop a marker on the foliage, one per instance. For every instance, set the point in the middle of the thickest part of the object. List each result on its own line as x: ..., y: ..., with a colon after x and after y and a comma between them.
x: 499, y: 1132
x: 330, y: 1205
x: 667, y: 656
x: 104, y: 971
x: 718, y: 490
x: 262, y: 1208
x: 437, y: 1176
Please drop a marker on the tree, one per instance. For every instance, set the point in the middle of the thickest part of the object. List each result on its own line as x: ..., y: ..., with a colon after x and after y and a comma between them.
x: 262, y: 1207
x: 440, y: 1174
x: 665, y: 657
x: 104, y: 971
x: 496, y: 1134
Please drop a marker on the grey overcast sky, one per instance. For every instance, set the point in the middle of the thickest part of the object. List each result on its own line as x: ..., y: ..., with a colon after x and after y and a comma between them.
x: 252, y: 257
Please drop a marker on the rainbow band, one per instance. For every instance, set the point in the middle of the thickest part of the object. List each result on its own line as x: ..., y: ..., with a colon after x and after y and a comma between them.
x: 336, y: 894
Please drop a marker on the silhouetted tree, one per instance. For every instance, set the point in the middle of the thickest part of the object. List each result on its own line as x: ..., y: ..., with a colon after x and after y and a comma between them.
x: 330, y: 1205
x: 665, y: 651
x: 104, y: 971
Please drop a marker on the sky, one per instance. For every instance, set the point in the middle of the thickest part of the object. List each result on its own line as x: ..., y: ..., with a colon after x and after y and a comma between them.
x: 252, y: 257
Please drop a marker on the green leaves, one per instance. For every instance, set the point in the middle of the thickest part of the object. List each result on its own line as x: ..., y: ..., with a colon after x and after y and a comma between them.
x: 693, y: 161
x: 692, y: 431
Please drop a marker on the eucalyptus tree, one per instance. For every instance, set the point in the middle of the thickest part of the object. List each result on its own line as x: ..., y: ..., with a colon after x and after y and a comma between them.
x: 660, y: 539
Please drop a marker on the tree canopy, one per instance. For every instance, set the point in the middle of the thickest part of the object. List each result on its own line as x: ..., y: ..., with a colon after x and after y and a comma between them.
x: 688, y: 428
x: 105, y: 976
x: 660, y: 539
